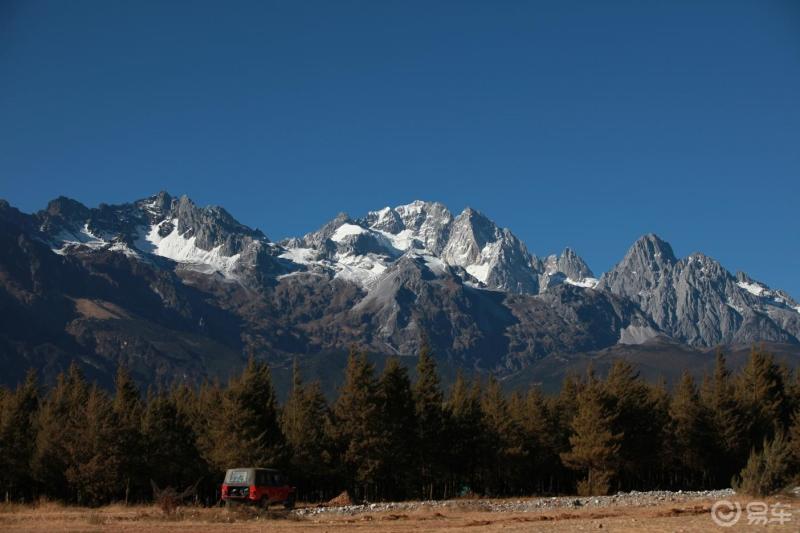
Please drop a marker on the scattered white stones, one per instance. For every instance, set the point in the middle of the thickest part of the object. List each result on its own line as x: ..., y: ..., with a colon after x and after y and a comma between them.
x: 631, y: 499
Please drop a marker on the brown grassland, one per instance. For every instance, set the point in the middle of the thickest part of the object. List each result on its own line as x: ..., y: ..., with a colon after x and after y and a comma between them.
x: 53, y: 517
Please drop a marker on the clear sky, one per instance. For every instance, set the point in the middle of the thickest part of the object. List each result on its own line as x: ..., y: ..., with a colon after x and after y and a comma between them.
x: 581, y: 124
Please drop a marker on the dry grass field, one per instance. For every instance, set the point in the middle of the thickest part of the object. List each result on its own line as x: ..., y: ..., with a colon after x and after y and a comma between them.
x: 51, y: 517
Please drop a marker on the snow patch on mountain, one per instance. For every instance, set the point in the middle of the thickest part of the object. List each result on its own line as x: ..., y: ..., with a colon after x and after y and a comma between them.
x: 83, y: 236
x: 345, y: 230
x: 753, y: 288
x: 586, y: 283
x: 67, y: 240
x: 361, y: 269
x: 182, y: 250
x: 636, y: 334
x: 301, y: 256
x: 402, y: 241
x: 479, y: 272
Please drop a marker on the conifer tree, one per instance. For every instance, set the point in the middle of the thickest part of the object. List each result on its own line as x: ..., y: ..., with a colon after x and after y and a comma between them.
x: 594, y: 446
x: 248, y: 432
x: 428, y: 400
x: 636, y: 420
x: 60, y: 424
x: 689, y: 435
x: 567, y: 401
x: 302, y: 421
x: 172, y: 457
x: 540, y: 444
x: 399, y: 423
x: 660, y: 399
x: 466, y: 435
x: 94, y: 451
x: 18, y: 437
x: 203, y: 410
x: 128, y: 412
x: 728, y: 424
x: 761, y: 393
x: 563, y: 407
x: 504, y: 439
x: 356, y: 426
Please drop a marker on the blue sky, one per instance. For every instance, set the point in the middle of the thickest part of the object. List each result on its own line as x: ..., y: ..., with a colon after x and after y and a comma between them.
x: 581, y: 124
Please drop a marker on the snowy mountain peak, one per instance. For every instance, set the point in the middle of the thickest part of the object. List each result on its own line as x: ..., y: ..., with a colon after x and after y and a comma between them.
x: 426, y: 223
x: 207, y: 239
x: 493, y: 255
x: 386, y: 219
x: 566, y: 268
x: 471, y: 241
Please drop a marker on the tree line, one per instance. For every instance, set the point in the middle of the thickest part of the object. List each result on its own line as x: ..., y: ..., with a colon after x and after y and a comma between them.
x: 386, y: 436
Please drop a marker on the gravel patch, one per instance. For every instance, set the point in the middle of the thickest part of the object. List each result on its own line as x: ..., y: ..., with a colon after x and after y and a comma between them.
x: 631, y: 499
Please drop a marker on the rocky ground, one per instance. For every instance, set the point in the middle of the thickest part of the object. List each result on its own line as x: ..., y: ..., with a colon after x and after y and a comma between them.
x: 622, y: 499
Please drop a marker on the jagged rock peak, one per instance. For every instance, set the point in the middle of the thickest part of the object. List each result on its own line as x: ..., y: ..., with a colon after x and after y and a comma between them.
x: 469, y: 235
x: 158, y: 204
x: 642, y: 267
x: 573, y: 265
x: 696, y: 300
x: 407, y: 216
x: 566, y: 268
x: 653, y: 247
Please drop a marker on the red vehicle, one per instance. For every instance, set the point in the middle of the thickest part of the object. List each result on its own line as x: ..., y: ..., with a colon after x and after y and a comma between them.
x: 261, y: 486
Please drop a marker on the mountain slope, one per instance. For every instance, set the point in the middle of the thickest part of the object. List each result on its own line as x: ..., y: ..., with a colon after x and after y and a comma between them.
x: 178, y: 291
x: 695, y: 300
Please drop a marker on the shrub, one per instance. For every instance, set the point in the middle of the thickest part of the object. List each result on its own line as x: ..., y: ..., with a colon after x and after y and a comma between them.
x: 596, y: 484
x: 767, y: 470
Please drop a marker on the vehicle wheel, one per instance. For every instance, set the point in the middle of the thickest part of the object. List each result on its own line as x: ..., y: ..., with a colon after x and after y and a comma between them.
x: 264, y: 503
x: 289, y: 504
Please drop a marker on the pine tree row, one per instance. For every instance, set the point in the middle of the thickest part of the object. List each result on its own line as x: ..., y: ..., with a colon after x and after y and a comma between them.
x: 386, y: 437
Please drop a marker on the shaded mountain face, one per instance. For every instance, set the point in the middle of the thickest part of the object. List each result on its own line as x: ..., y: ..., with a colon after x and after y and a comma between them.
x: 178, y: 291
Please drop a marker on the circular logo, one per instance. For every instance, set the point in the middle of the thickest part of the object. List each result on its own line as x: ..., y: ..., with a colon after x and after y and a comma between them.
x: 725, y: 513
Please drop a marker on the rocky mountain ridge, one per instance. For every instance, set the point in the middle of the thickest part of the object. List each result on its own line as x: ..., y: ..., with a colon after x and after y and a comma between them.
x: 167, y: 286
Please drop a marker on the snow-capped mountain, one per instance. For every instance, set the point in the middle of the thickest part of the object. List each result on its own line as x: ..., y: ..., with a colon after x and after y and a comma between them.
x: 493, y: 256
x: 210, y: 240
x: 206, y: 239
x: 168, y: 286
x: 483, y: 254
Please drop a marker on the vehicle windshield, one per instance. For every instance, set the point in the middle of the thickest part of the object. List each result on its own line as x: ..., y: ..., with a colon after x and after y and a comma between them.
x: 237, y: 476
